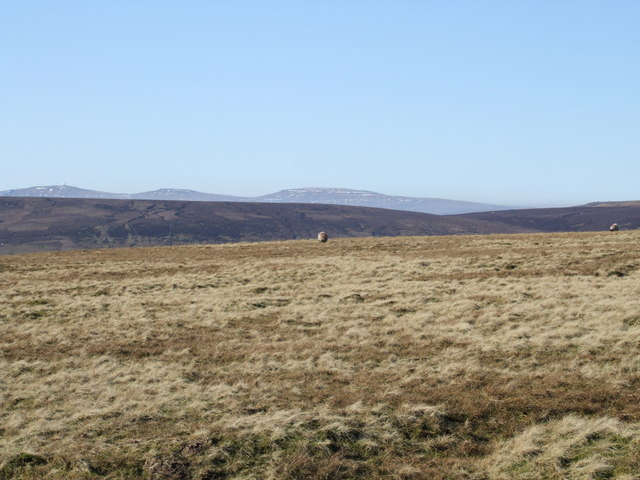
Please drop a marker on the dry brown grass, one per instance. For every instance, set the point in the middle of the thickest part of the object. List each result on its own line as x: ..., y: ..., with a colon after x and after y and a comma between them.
x: 411, y: 358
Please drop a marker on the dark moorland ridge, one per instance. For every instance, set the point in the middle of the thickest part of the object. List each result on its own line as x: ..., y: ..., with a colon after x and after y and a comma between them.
x: 37, y: 224
x: 584, y: 218
x: 46, y: 224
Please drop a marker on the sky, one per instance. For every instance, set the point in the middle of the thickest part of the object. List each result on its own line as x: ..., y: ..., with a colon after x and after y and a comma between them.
x: 529, y: 103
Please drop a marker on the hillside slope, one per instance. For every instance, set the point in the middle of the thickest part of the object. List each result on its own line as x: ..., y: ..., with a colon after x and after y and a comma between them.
x: 36, y: 224
x: 586, y: 218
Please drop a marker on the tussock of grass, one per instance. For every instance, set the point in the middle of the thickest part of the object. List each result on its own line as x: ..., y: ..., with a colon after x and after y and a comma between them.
x: 572, y: 447
x: 354, y: 442
x: 20, y: 463
x: 415, y: 358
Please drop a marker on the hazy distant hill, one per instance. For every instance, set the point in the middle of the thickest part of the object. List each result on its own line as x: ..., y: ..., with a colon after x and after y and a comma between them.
x: 329, y: 196
x: 345, y: 196
x: 35, y: 224
x: 66, y: 191
x: 184, y: 195
x: 60, y: 191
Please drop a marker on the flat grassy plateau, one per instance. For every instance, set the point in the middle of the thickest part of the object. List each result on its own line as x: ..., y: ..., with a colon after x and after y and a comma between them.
x: 480, y: 357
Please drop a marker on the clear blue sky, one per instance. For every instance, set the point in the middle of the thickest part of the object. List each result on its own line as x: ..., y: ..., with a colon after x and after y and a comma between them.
x: 529, y: 102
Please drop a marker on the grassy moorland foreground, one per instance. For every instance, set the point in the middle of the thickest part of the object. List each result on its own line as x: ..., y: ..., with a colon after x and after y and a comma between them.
x: 480, y: 357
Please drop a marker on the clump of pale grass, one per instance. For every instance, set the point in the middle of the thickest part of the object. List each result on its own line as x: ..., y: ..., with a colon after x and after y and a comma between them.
x: 356, y: 440
x: 572, y: 447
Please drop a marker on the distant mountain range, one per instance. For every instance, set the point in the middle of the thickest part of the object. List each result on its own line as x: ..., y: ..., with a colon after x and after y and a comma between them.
x: 326, y: 196
x: 67, y: 191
